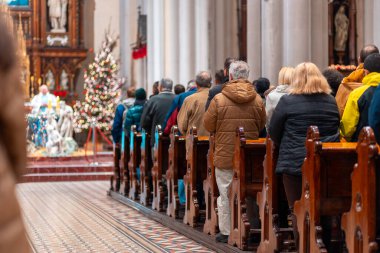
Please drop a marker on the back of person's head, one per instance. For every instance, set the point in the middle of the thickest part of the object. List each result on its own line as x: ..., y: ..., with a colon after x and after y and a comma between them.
x: 8, y: 59
x: 219, y: 77
x: 307, y: 79
x: 261, y: 85
x: 203, y: 79
x: 334, y: 79
x: 285, y: 76
x: 367, y: 51
x: 140, y: 94
x: 372, y: 63
x: 239, y: 70
x: 179, y: 88
x: 227, y: 65
x: 191, y: 84
x: 166, y: 84
x: 131, y: 92
x: 155, y: 87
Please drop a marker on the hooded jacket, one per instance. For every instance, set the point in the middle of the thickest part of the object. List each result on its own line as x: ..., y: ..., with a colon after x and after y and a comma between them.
x: 349, y: 83
x: 272, y: 100
x: 237, y: 106
x: 355, y: 115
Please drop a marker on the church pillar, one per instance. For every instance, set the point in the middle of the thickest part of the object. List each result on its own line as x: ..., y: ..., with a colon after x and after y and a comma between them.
x: 155, y: 42
x: 186, y: 41
x: 254, y: 38
x: 297, y: 31
x: 272, y: 39
x: 376, y: 25
x: 171, y: 40
x: 319, y: 34
x: 201, y: 36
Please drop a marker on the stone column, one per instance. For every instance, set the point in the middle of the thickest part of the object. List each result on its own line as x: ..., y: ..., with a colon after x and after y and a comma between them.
x: 186, y: 41
x: 368, y: 21
x: 201, y: 36
x: 319, y: 34
x: 297, y: 31
x: 171, y: 43
x: 272, y: 39
x: 254, y: 38
x: 376, y: 25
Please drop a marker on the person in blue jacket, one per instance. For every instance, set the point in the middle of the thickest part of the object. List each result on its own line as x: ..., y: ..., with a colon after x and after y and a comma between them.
x: 374, y: 114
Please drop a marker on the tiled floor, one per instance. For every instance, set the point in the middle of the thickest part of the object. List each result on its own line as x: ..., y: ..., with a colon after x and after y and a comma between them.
x: 80, y: 217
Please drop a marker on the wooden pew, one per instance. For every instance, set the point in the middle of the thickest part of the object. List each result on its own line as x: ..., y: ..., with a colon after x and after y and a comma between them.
x: 145, y: 169
x: 195, y: 175
x: 176, y: 170
x: 247, y: 181
x: 117, y: 175
x: 124, y: 170
x: 160, y: 165
x: 326, y: 190
x: 211, y: 192
x: 359, y: 223
x: 134, y: 162
x: 272, y: 205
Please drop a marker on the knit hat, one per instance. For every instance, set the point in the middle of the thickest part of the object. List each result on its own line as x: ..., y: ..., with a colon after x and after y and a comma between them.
x: 140, y: 94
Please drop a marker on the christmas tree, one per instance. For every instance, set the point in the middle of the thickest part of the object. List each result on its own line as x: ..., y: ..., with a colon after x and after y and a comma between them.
x: 100, y: 89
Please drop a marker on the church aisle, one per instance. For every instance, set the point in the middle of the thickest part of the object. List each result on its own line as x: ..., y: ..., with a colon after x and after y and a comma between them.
x: 80, y: 217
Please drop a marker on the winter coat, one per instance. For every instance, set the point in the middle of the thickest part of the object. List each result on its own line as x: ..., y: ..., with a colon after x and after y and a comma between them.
x: 133, y: 116
x: 290, y: 121
x: 12, y: 163
x: 349, y: 83
x: 237, y: 106
x: 374, y: 114
x: 192, y: 112
x: 117, y: 126
x: 155, y: 111
x: 171, y: 116
x: 272, y: 100
x: 355, y: 115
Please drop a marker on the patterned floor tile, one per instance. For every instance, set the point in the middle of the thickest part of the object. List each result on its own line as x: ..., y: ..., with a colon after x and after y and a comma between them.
x: 80, y: 217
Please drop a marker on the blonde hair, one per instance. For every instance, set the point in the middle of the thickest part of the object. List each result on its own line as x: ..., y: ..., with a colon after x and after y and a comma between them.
x: 307, y: 79
x: 285, y: 76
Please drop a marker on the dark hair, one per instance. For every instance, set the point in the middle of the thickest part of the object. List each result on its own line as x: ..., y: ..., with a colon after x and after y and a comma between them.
x: 372, y: 63
x: 367, y: 51
x: 261, y: 85
x: 8, y: 57
x: 227, y: 64
x: 203, y: 79
x: 131, y: 92
x: 178, y: 89
x: 219, y: 77
x: 155, y: 88
x: 334, y: 78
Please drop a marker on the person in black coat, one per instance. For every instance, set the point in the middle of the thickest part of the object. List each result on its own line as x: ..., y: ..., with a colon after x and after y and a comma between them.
x: 309, y: 103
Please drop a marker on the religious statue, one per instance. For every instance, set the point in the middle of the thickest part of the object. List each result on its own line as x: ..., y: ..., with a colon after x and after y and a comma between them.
x: 65, y: 123
x: 54, y: 138
x: 341, y: 22
x: 58, y: 15
x: 50, y: 80
x: 64, y: 80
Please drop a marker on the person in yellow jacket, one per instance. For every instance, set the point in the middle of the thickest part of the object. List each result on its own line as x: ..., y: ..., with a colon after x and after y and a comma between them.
x: 354, y: 80
x: 355, y: 115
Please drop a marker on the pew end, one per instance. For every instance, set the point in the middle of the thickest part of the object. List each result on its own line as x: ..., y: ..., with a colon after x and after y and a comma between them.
x: 145, y: 169
x: 134, y: 162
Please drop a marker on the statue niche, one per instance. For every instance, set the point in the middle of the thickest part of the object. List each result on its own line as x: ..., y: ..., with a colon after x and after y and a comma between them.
x: 57, y: 15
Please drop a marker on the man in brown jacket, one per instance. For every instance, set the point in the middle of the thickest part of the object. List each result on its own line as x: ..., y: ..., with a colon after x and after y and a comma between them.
x: 12, y: 144
x: 354, y: 80
x: 193, y: 108
x: 237, y: 106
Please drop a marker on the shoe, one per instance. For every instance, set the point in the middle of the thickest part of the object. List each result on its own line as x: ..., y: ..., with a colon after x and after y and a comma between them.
x: 221, y: 238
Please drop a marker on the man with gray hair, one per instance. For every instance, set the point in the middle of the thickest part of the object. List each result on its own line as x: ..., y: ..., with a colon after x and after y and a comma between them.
x: 157, y: 107
x: 238, y: 105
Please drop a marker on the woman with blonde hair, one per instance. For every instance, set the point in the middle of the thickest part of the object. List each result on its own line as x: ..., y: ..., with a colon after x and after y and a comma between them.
x: 309, y: 103
x: 284, y: 79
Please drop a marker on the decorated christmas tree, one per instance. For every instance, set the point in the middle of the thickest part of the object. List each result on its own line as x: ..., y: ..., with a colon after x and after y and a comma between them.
x: 100, y: 89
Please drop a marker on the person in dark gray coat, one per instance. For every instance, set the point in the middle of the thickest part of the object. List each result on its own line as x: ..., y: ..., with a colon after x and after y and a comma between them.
x: 157, y: 107
x: 309, y: 103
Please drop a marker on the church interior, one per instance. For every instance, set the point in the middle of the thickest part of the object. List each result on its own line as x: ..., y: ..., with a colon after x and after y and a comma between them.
x: 190, y: 126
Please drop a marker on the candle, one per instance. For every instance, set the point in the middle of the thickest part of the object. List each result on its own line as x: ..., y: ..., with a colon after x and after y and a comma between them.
x: 49, y: 104
x: 58, y: 105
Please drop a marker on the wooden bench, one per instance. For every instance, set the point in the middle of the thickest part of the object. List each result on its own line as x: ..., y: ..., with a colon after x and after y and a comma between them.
x: 359, y: 223
x: 124, y: 171
x: 160, y: 165
x: 117, y: 175
x: 273, y: 206
x: 176, y: 170
x: 247, y: 181
x: 195, y: 175
x: 211, y: 191
x: 134, y: 162
x: 145, y: 169
x: 326, y: 190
